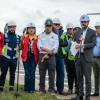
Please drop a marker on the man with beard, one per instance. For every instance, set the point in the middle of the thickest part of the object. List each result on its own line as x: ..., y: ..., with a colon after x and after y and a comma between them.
x: 83, y: 62
x: 9, y: 55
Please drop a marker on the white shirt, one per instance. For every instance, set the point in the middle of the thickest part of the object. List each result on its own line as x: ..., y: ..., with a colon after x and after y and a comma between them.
x: 83, y: 36
x: 48, y: 41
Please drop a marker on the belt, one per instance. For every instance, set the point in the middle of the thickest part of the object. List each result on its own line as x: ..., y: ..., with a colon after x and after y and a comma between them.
x: 97, y: 57
x: 44, y: 54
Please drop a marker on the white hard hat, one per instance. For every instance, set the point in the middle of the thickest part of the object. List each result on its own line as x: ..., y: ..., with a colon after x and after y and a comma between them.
x: 97, y: 24
x: 77, y: 26
x: 69, y: 25
x: 56, y: 21
x: 61, y: 25
x: 11, y: 23
x: 30, y: 25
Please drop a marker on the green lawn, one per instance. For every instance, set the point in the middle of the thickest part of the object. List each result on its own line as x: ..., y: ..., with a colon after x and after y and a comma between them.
x: 7, y: 95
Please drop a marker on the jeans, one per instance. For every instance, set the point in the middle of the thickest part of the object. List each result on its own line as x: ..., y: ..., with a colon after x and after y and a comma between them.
x: 4, y: 69
x: 0, y: 61
x: 29, y: 67
x: 60, y: 73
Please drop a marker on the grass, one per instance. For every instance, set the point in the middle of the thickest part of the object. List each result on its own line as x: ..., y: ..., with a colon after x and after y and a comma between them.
x: 7, y: 95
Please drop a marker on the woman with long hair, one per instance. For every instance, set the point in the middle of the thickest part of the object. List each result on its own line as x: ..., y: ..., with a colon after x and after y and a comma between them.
x: 30, y: 57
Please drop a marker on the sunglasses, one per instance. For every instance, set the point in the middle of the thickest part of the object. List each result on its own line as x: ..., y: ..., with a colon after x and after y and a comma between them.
x: 57, y: 24
x: 69, y: 29
x: 77, y: 29
x: 11, y: 26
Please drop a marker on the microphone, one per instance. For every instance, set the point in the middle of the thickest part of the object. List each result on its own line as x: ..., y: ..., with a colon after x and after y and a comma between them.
x: 82, y: 30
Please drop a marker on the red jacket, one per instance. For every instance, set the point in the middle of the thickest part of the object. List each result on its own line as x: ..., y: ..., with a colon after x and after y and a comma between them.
x: 24, y: 48
x: 1, y: 42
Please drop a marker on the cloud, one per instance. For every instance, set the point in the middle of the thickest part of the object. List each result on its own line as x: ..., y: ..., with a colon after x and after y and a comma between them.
x: 37, y: 11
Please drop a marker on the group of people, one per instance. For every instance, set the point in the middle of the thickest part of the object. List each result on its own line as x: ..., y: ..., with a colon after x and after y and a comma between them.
x: 51, y: 50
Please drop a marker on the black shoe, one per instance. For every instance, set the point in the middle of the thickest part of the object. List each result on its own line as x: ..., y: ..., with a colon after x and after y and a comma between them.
x: 95, y: 94
x: 1, y: 90
x: 87, y: 98
x: 11, y: 89
x: 77, y: 98
x: 55, y: 91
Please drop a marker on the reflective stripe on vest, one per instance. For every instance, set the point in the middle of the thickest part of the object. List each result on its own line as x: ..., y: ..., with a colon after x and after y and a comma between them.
x: 6, y: 48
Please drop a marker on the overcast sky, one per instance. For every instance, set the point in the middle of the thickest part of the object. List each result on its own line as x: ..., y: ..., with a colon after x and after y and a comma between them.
x: 37, y: 11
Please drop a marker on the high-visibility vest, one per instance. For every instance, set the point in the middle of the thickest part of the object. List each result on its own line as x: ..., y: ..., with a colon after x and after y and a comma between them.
x: 63, y: 48
x: 6, y: 48
x: 70, y: 56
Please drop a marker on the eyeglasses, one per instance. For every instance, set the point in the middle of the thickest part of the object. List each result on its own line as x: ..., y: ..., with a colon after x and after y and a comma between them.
x: 69, y: 29
x: 57, y: 24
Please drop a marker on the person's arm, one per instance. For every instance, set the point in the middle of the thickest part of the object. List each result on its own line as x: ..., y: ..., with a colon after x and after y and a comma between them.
x: 56, y: 44
x: 68, y: 47
x: 22, y: 44
x: 63, y: 43
x: 93, y: 42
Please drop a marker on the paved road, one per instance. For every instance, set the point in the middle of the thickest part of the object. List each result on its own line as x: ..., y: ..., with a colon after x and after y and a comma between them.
x: 21, y: 72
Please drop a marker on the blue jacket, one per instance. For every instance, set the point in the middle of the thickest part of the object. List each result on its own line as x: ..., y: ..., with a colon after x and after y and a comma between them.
x: 67, y: 49
x: 11, y: 40
x: 61, y: 43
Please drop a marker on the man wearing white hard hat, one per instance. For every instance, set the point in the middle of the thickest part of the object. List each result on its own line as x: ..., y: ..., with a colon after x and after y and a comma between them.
x: 84, y: 57
x: 60, y: 55
x: 96, y: 62
x: 9, y: 55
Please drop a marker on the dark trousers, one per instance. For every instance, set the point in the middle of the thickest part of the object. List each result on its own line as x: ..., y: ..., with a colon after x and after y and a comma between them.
x: 83, y: 68
x: 43, y: 66
x: 67, y: 67
x: 0, y: 61
x: 0, y: 64
x: 60, y: 73
x: 4, y: 69
x: 29, y: 67
x: 72, y: 73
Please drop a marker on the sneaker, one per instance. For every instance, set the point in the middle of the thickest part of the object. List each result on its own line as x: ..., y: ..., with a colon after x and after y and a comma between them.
x: 27, y: 91
x: 95, y: 94
x: 11, y: 89
x: 31, y: 91
x: 40, y: 92
x: 1, y: 90
x: 69, y: 92
x: 52, y: 93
